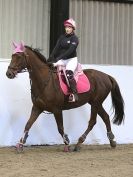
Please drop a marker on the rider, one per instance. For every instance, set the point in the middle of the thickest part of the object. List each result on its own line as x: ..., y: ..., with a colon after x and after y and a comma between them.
x: 65, y: 53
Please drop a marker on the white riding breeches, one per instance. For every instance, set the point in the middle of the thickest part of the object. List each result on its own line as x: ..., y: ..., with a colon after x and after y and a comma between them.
x: 71, y: 64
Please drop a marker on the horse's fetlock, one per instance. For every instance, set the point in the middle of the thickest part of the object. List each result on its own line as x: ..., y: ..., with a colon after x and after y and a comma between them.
x: 110, y: 135
x: 82, y: 139
x: 66, y: 139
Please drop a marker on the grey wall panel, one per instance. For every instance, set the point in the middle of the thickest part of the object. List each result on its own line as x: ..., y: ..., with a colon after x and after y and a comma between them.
x: 105, y: 30
x: 26, y: 20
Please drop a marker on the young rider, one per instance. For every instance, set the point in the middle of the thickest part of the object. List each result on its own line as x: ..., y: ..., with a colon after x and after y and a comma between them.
x: 65, y: 53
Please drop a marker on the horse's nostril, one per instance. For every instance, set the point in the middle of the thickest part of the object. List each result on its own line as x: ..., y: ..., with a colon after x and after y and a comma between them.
x: 9, y: 75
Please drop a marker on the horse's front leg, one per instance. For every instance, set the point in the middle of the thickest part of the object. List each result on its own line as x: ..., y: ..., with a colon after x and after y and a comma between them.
x: 59, y: 120
x: 34, y: 115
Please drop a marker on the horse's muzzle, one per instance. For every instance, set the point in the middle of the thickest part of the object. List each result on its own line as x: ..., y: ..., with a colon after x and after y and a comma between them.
x: 10, y: 74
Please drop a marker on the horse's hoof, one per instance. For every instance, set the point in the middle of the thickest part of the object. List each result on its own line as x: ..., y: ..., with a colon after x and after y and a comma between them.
x: 67, y: 148
x: 77, y: 149
x: 19, y: 147
x: 112, y: 143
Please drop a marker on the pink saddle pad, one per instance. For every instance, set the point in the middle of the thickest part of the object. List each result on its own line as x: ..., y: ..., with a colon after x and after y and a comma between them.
x: 83, y: 84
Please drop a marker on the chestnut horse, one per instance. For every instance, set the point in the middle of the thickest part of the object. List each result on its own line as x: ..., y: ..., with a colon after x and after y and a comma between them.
x: 47, y: 95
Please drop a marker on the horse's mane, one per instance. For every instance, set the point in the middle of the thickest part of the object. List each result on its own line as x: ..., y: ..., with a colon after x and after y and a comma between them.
x: 37, y: 51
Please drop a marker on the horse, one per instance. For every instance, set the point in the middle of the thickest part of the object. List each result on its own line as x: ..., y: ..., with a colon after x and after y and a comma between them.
x: 47, y: 95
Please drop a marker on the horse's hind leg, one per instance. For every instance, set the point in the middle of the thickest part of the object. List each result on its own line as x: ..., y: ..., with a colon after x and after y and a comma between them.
x: 105, y: 117
x: 34, y: 115
x: 91, y: 124
x: 59, y: 120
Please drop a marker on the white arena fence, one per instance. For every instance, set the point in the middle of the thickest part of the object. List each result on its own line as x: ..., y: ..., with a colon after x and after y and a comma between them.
x: 15, y: 108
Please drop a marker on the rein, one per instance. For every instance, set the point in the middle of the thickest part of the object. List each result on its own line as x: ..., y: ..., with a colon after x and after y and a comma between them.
x: 48, y: 79
x: 29, y: 69
x: 27, y: 63
x: 22, y: 71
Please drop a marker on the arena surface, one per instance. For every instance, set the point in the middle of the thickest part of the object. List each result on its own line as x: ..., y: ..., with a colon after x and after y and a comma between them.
x: 51, y: 161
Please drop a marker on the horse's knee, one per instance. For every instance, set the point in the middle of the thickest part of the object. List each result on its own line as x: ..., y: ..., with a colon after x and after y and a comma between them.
x: 106, y: 119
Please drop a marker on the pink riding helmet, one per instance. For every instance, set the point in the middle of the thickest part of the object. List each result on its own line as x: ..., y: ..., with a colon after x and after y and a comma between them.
x: 70, y: 22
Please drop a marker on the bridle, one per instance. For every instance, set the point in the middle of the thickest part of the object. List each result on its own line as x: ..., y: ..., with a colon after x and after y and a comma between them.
x: 17, y: 70
x: 27, y: 67
x: 26, y: 63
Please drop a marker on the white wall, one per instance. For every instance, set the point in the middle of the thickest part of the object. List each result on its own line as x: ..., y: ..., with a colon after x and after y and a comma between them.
x: 15, y: 108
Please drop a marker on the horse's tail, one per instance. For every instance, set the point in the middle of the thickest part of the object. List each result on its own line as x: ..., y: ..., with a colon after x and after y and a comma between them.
x: 118, y: 102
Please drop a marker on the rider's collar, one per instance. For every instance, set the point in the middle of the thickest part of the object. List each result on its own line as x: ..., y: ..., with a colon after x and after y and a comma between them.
x: 67, y: 35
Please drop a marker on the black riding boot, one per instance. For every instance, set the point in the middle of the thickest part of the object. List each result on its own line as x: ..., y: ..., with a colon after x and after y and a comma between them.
x: 72, y: 83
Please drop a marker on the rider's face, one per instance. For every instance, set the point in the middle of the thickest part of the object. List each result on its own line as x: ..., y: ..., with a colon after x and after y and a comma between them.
x: 68, y: 29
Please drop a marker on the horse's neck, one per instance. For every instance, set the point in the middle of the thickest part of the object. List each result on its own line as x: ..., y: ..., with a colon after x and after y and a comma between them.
x: 34, y: 62
x: 38, y: 69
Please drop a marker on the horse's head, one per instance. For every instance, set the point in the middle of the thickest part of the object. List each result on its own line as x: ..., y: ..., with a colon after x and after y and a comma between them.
x: 24, y: 57
x: 18, y: 61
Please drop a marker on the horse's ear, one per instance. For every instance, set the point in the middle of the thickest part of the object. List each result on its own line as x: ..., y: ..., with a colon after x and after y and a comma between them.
x: 22, y: 46
x: 14, y: 44
x: 22, y: 43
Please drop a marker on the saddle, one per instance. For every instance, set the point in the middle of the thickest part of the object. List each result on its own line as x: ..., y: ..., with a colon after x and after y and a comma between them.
x: 83, y: 84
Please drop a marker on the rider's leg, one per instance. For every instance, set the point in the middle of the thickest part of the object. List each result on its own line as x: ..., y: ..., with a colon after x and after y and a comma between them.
x: 71, y: 66
x: 72, y: 82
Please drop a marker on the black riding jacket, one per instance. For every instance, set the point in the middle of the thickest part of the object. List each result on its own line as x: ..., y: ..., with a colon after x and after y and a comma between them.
x: 65, y: 48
